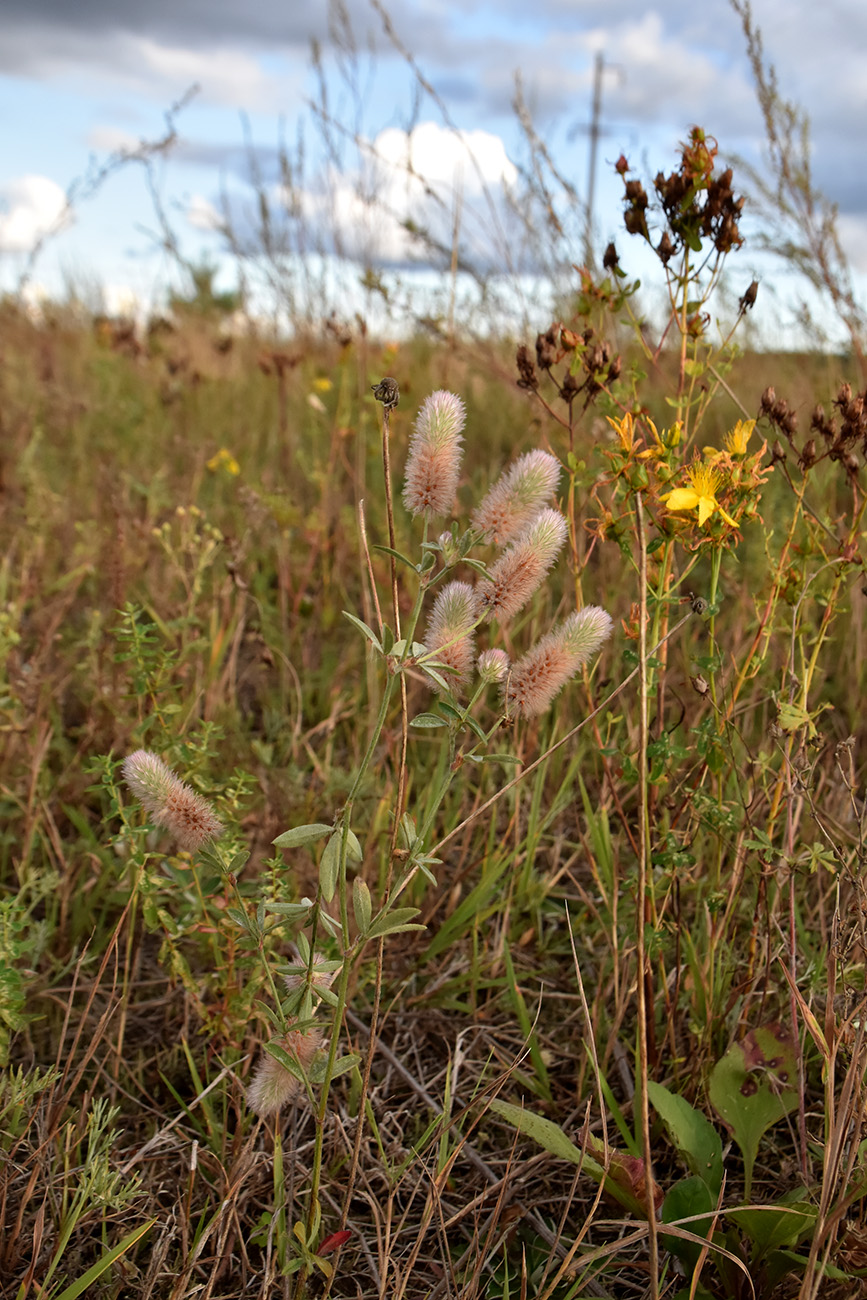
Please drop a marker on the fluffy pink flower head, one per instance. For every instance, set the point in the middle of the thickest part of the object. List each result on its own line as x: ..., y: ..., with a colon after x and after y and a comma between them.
x: 493, y: 665
x: 434, y: 455
x: 273, y: 1085
x: 169, y: 802
x: 545, y: 670
x: 517, y: 497
x: 519, y: 571
x: 449, y: 630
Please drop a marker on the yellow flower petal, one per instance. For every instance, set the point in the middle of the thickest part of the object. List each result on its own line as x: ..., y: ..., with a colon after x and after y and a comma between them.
x: 706, y: 507
x: 682, y: 499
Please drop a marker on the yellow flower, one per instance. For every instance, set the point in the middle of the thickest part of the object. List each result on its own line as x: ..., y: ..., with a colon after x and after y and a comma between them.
x: 322, y: 385
x: 625, y: 430
x: 736, y: 441
x: 701, y: 495
x: 224, y: 460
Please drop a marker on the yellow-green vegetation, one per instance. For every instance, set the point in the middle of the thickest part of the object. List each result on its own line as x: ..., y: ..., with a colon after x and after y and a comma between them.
x: 540, y: 974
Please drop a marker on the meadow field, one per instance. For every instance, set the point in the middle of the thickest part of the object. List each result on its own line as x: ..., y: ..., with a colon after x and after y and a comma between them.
x: 518, y: 949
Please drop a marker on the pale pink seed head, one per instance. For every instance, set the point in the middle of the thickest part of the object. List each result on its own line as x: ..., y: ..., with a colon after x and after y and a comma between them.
x: 273, y: 1085
x: 434, y: 461
x: 517, y: 496
x: 449, y: 630
x: 170, y: 803
x: 541, y: 674
x: 519, y: 571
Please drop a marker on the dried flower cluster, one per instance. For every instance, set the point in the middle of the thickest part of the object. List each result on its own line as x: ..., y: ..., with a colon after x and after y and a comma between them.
x: 592, y: 365
x: 841, y: 434
x: 696, y: 205
x: 169, y: 802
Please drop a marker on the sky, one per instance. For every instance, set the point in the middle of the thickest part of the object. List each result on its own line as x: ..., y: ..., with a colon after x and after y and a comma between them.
x: 405, y: 112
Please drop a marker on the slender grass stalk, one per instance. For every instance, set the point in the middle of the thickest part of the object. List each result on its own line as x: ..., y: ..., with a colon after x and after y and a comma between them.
x: 645, y: 911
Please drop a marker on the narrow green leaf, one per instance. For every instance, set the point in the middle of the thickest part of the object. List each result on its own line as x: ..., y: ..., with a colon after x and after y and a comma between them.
x: 427, y: 721
x: 353, y: 848
x: 240, y: 918
x: 294, y: 911
x: 437, y: 677
x: 386, y: 550
x: 76, y: 1288
x: 364, y: 629
x: 329, y: 867
x: 478, y: 731
x: 548, y: 1135
x: 342, y: 1065
x: 301, y: 835
x: 361, y: 904
x: 394, y: 922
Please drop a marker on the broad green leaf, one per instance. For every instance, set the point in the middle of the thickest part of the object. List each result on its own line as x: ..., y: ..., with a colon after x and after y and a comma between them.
x: 697, y: 1141
x: 427, y: 721
x: 688, y: 1197
x: 301, y: 835
x: 770, y: 1227
x: 753, y: 1087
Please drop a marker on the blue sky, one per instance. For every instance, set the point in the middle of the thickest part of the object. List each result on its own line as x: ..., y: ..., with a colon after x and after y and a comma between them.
x: 81, y: 80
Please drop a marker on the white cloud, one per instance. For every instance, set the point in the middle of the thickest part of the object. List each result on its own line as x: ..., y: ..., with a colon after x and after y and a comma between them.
x: 225, y: 76
x: 202, y: 215
x: 455, y: 158
x: 30, y: 206
x: 853, y: 237
x: 429, y: 179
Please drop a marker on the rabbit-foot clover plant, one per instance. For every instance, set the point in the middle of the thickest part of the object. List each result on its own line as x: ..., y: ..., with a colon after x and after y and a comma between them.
x: 464, y: 597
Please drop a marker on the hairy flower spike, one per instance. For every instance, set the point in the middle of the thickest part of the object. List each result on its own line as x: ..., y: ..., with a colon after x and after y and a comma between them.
x: 449, y: 630
x: 520, y: 569
x: 273, y: 1085
x: 544, y: 671
x: 169, y: 802
x: 434, y: 455
x: 518, y: 496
